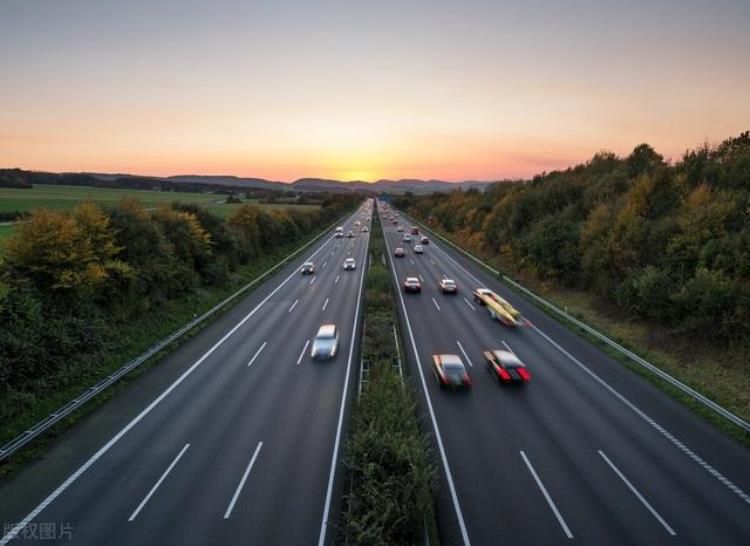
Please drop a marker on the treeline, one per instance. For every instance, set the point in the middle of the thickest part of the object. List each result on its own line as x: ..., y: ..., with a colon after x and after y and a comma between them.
x: 668, y: 243
x: 69, y: 280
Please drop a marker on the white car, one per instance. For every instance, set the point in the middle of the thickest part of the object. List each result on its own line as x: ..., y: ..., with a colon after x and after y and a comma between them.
x: 400, y: 229
x: 326, y: 342
x: 349, y: 264
x: 418, y: 249
x: 365, y: 229
x: 407, y: 238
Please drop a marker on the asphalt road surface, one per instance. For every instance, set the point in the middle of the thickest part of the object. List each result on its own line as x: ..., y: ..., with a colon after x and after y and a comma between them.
x: 233, y: 439
x: 586, y: 452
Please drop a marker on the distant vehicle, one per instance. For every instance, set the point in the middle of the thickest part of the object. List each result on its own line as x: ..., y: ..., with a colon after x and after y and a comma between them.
x: 425, y: 240
x: 499, y: 308
x: 400, y: 229
x: 399, y: 252
x: 339, y: 232
x: 418, y: 249
x: 357, y: 223
x: 414, y: 230
x: 349, y: 234
x: 448, y: 286
x: 365, y: 229
x: 412, y: 284
x: 349, y: 264
x: 308, y: 268
x: 326, y: 342
x: 506, y: 366
x: 407, y: 238
x: 369, y: 219
x: 450, y: 371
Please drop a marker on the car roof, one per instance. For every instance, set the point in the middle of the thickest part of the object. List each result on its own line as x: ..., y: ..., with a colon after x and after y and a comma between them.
x: 327, y: 330
x: 412, y: 279
x: 450, y: 360
x: 448, y: 281
x: 349, y: 260
x: 507, y: 356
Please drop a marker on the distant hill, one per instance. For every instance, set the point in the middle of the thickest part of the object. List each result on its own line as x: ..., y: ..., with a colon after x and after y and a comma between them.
x: 226, y: 183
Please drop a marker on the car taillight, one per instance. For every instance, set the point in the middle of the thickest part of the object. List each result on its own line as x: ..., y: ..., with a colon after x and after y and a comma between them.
x: 504, y: 375
x: 524, y: 374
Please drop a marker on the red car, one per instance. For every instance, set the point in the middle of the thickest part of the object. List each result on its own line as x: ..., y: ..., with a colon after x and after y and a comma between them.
x: 506, y: 366
x: 412, y: 284
x: 399, y: 252
x: 414, y: 230
x: 450, y: 371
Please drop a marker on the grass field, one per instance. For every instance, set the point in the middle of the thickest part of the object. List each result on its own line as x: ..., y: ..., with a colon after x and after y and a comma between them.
x: 64, y: 197
x: 5, y: 231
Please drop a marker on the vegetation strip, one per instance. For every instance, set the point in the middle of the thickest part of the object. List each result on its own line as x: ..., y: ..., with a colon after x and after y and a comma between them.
x: 390, y: 473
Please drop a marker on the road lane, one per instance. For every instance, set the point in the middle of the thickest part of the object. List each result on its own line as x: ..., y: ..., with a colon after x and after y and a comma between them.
x: 223, y: 409
x: 561, y: 420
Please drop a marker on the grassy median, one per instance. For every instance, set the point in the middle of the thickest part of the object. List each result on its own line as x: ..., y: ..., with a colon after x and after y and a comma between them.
x: 390, y: 474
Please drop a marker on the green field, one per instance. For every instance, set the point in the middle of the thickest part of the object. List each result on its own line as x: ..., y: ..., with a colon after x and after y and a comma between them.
x: 5, y: 231
x: 65, y: 197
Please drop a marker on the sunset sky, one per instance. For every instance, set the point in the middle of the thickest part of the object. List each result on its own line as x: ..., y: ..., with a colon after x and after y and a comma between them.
x: 364, y: 90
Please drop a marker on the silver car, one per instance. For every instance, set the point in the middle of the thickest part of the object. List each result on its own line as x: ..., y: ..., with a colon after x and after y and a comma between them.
x: 326, y: 342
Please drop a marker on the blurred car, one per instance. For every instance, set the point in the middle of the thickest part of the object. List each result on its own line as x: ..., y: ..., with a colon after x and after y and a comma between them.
x: 414, y: 230
x: 349, y: 234
x: 448, y: 286
x: 365, y: 229
x: 357, y: 223
x: 399, y: 228
x: 506, y: 366
x: 350, y: 264
x: 399, y: 252
x: 326, y: 342
x: 418, y: 249
x: 425, y: 240
x: 412, y: 284
x: 308, y: 268
x: 450, y: 371
x: 407, y: 238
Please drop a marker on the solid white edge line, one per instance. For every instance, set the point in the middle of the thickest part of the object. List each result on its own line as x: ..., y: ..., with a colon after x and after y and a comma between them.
x: 257, y: 353
x: 303, y: 352
x: 464, y: 352
x: 339, y: 426
x: 435, y: 302
x: 294, y: 305
x: 637, y: 494
x: 547, y: 496
x: 13, y: 533
x: 158, y: 483
x: 664, y: 432
x: 325, y: 304
x: 242, y: 481
x: 470, y: 305
x: 438, y: 436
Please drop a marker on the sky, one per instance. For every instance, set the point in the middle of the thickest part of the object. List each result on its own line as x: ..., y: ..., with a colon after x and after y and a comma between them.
x: 460, y: 90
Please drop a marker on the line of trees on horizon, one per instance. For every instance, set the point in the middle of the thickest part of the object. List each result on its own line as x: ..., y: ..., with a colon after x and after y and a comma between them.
x: 666, y: 243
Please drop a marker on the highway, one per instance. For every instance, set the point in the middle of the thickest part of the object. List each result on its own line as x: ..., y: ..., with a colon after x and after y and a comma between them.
x: 234, y: 438
x: 586, y: 452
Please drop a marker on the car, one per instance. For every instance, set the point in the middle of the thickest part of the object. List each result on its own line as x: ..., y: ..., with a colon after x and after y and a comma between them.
x: 399, y: 252
x: 308, y: 268
x: 365, y: 229
x: 350, y: 264
x: 499, y: 308
x: 407, y: 238
x: 357, y: 223
x: 506, y: 366
x: 414, y: 230
x: 339, y: 232
x: 399, y: 228
x: 425, y: 240
x: 448, y: 286
x: 412, y: 284
x: 418, y: 249
x: 450, y: 372
x: 326, y: 342
x: 349, y: 234
x: 369, y: 219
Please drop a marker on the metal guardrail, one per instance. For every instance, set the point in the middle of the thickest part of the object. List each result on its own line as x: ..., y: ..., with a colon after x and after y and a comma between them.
x: 42, y: 426
x: 710, y: 404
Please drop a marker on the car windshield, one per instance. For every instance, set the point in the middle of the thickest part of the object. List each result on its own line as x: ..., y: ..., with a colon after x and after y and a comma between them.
x: 453, y: 368
x: 449, y: 283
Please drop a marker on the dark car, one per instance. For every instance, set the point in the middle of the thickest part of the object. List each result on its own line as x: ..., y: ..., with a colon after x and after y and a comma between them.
x: 308, y: 268
x: 425, y: 240
x: 506, y: 366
